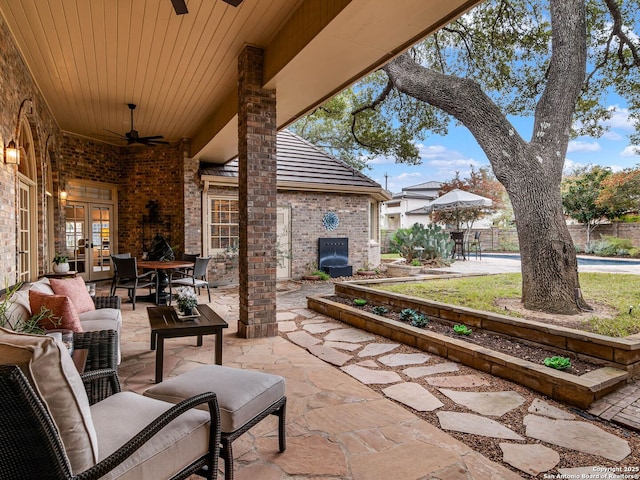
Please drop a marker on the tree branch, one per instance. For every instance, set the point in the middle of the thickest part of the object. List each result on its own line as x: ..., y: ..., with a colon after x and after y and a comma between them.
x: 625, y: 41
x: 372, y: 106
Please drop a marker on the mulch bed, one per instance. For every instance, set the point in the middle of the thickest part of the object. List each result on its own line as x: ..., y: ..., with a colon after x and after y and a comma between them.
x: 494, y: 341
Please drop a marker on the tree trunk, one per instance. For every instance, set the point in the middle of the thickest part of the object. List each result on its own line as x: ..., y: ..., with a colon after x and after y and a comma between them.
x: 530, y: 171
x: 549, y: 265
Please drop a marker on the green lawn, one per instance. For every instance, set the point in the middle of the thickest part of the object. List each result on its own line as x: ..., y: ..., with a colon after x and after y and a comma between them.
x: 621, y: 292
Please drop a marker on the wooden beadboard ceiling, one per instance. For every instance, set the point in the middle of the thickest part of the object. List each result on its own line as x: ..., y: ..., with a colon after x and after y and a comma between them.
x: 91, y: 57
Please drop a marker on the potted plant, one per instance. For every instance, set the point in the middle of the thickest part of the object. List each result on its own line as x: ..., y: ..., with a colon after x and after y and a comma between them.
x: 366, y: 270
x: 60, y: 263
x: 187, y: 300
x: 314, y: 274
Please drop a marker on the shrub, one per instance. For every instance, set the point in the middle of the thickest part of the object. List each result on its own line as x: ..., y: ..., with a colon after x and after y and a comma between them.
x: 323, y: 275
x: 380, y: 310
x: 419, y: 320
x: 559, y: 363
x: 609, y: 246
x: 422, y: 243
x: 462, y: 330
x: 407, y: 314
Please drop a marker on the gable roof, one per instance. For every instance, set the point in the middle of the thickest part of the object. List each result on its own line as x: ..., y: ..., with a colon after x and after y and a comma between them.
x: 303, y: 166
x: 424, y: 186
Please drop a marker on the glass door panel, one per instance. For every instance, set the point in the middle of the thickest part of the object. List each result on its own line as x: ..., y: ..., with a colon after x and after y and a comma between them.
x: 88, y: 239
x: 76, y: 236
x: 100, y: 241
x: 24, y: 234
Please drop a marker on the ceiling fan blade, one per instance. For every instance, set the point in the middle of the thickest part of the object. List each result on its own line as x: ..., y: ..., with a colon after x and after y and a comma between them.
x: 233, y: 3
x: 153, y: 137
x: 180, y: 7
x: 114, y: 133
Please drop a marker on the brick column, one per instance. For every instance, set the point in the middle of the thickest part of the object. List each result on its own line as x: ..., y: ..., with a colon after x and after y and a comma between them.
x: 257, y: 196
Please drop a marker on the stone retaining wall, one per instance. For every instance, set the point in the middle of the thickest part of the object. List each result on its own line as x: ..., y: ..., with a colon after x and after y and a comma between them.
x: 580, y: 391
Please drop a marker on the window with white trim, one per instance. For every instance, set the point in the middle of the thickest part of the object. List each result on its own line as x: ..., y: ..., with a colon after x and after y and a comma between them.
x: 224, y: 230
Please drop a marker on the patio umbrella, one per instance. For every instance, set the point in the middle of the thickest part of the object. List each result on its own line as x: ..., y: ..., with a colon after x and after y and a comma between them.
x: 457, y: 200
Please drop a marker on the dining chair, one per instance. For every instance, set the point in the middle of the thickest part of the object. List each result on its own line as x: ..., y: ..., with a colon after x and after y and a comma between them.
x: 196, y: 280
x: 129, y: 278
x: 115, y: 269
x: 188, y: 257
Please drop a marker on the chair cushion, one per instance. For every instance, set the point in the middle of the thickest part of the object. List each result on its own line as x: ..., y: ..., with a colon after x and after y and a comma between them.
x: 119, y: 417
x: 76, y: 290
x: 53, y: 375
x: 61, y: 307
x: 242, y: 394
x: 103, y: 319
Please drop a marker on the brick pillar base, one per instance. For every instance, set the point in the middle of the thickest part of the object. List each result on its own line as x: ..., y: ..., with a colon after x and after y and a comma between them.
x: 258, y: 198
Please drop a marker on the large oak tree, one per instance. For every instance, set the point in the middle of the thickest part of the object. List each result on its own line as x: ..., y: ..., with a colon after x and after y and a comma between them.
x: 552, y: 59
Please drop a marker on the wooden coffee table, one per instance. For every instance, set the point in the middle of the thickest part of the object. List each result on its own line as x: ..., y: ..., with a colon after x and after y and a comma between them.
x: 165, y: 323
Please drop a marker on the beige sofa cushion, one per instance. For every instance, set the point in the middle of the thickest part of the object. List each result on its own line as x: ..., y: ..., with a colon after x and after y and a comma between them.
x: 242, y: 394
x: 119, y: 417
x: 49, y: 368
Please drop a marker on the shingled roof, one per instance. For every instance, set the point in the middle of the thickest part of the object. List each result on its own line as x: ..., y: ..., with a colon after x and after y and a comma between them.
x: 303, y: 166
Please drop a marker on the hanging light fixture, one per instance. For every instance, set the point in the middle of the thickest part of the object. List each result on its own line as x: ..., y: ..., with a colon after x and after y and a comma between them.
x: 12, y: 154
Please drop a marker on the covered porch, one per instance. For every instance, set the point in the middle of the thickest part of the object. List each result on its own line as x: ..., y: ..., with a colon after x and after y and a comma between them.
x: 216, y: 82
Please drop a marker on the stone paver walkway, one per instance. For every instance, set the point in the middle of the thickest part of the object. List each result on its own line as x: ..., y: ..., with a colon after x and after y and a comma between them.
x: 420, y: 382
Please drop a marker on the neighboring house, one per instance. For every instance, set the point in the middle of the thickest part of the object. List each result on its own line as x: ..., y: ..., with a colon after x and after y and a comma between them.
x: 411, y: 206
x: 404, y: 208
x: 310, y: 184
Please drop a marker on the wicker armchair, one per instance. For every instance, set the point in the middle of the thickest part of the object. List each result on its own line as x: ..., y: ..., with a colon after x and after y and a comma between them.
x: 32, y: 447
x: 102, y: 344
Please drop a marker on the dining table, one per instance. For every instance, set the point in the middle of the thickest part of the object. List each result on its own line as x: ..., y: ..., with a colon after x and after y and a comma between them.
x: 163, y: 270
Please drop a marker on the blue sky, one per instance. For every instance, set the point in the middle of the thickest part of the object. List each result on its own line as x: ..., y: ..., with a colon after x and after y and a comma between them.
x: 443, y: 156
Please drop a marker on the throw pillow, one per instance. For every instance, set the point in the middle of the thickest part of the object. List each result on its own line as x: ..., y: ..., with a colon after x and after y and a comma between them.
x: 61, y: 307
x: 76, y: 290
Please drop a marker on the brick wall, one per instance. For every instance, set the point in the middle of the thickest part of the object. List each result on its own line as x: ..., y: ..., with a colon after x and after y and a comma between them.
x: 16, y: 86
x: 307, y: 211
x: 151, y: 174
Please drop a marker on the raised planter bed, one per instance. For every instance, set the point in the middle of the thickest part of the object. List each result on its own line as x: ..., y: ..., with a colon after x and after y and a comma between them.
x: 616, y: 355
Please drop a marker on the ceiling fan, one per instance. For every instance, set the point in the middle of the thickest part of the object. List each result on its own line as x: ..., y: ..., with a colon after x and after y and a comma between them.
x: 181, y: 7
x: 132, y: 136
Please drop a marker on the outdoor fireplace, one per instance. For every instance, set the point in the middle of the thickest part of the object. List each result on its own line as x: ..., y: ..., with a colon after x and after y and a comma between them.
x: 333, y: 257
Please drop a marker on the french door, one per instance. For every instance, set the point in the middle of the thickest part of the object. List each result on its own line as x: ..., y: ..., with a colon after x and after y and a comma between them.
x: 88, y: 238
x: 27, y: 251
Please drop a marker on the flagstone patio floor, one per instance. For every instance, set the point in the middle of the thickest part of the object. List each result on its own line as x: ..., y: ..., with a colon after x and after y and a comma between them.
x: 339, y: 427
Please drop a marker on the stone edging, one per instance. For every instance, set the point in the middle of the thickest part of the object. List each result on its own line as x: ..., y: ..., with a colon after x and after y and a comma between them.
x: 620, y: 352
x: 580, y: 391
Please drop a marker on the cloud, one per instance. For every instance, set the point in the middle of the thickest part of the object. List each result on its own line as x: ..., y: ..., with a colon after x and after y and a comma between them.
x: 580, y: 146
x: 613, y: 136
x: 381, y: 160
x: 570, y: 166
x: 407, y: 175
x: 630, y: 151
x: 619, y: 118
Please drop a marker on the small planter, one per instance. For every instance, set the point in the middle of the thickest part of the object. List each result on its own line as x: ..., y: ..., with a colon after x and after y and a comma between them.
x: 403, y: 270
x: 366, y: 273
x: 61, y: 267
x: 311, y: 277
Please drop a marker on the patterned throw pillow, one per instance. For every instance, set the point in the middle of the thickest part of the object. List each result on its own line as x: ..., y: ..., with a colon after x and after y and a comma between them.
x: 76, y: 290
x: 61, y: 307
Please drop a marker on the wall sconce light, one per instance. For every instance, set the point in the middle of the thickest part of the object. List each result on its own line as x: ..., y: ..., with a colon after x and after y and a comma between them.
x: 63, y: 195
x: 12, y: 154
